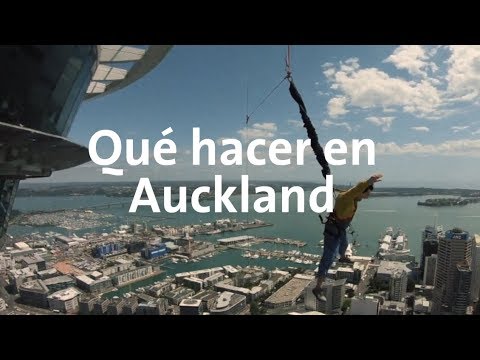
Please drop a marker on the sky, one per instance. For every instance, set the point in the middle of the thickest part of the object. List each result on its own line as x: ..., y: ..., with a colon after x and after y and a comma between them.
x: 418, y: 104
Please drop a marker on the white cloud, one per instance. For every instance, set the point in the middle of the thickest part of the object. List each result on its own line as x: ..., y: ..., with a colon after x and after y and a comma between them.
x: 420, y: 128
x: 464, y: 72
x: 465, y: 147
x: 370, y: 88
x: 259, y: 130
x: 433, y: 50
x: 265, y: 126
x: 353, y: 62
x: 329, y: 73
x: 412, y: 58
x: 384, y: 122
x: 295, y: 123
x: 350, y: 65
x: 435, y: 82
x: 458, y: 128
x: 328, y: 123
x: 336, y: 106
x: 469, y: 97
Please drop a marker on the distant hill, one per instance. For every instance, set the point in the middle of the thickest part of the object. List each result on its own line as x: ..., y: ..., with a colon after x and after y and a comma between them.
x: 127, y: 189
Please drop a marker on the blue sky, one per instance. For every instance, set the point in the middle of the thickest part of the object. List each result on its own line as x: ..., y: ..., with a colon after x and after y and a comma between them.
x: 419, y: 104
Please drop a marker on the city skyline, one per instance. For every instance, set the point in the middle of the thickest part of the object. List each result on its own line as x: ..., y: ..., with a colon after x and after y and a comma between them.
x: 417, y: 103
x: 198, y: 134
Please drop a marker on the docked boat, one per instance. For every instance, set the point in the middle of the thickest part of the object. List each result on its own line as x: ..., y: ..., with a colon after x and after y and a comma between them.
x: 393, y: 246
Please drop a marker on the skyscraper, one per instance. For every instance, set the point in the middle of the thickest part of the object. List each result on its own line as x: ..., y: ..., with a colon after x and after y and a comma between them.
x: 475, y: 287
x: 398, y: 286
x: 430, y: 237
x: 463, y: 279
x: 453, y: 249
x: 334, y: 291
x: 430, y: 269
x: 41, y: 90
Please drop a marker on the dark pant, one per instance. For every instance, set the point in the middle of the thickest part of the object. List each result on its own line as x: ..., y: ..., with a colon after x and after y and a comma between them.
x: 335, y: 237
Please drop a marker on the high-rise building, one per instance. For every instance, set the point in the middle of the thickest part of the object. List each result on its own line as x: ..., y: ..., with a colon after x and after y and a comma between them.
x: 392, y: 308
x: 475, y: 287
x: 41, y: 90
x: 463, y: 279
x: 191, y: 307
x: 453, y: 249
x: 364, y: 306
x: 334, y: 291
x: 398, y: 286
x: 430, y: 269
x: 430, y: 237
x: 64, y: 300
x: 85, y: 304
x: 229, y: 303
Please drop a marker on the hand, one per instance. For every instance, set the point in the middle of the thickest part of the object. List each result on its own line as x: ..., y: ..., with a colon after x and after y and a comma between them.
x: 375, y: 178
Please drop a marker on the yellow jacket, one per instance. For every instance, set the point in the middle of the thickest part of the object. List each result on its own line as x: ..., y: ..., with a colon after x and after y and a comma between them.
x: 346, y: 205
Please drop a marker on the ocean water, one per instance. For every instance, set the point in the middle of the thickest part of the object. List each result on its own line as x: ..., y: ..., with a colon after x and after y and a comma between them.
x: 373, y: 216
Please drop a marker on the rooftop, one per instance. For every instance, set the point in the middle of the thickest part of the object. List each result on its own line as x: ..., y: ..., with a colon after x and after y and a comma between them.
x: 57, y: 280
x: 35, y: 285
x: 331, y: 282
x: 206, y: 295
x: 21, y: 245
x: 224, y: 300
x: 66, y: 268
x: 96, y: 274
x: 85, y: 279
x: 47, y: 272
x: 290, y: 291
x: 214, y: 276
x: 22, y: 272
x: 227, y: 300
x: 232, y: 288
x: 390, y: 267
x: 230, y: 268
x: 191, y: 302
x: 65, y: 295
x: 32, y: 259
x: 393, y: 305
x: 123, y: 261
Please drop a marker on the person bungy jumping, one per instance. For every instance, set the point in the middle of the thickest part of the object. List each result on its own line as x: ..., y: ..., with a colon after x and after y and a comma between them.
x: 335, y: 233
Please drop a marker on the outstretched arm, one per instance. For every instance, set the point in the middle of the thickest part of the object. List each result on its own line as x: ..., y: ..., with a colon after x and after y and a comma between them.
x: 362, y: 186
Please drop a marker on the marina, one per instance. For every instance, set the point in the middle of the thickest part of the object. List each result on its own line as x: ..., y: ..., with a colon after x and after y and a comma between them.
x: 393, y: 246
